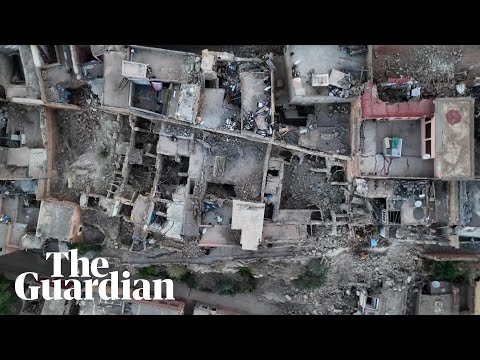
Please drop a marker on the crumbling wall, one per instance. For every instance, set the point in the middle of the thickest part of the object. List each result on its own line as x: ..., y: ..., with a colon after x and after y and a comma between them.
x: 374, y: 108
x: 48, y: 126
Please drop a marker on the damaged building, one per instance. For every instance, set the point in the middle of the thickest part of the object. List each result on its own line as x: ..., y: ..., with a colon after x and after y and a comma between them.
x: 159, y: 155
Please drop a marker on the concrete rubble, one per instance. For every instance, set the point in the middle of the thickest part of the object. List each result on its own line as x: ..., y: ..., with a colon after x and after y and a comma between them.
x: 336, y: 175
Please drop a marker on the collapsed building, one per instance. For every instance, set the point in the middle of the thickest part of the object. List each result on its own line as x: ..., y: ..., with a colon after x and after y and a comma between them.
x: 29, y: 137
x: 203, y: 137
x: 240, y: 156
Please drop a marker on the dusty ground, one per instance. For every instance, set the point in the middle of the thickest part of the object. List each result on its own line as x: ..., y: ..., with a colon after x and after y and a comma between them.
x: 347, y: 272
x: 86, y: 141
x: 244, y: 163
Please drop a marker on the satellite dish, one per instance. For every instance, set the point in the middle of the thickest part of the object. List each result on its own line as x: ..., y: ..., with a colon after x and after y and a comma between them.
x: 418, y: 203
x: 435, y: 284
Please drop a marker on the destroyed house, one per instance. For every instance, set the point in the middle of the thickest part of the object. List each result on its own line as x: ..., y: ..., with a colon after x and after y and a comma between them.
x: 19, y: 214
x: 18, y: 78
x: 386, y: 302
x: 315, y: 86
x: 324, y: 73
x: 22, y: 152
x: 163, y: 82
x: 462, y: 209
x: 237, y: 94
x: 408, y: 210
x: 416, y: 139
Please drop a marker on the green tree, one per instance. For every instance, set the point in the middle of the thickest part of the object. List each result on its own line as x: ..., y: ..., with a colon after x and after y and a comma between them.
x: 448, y: 271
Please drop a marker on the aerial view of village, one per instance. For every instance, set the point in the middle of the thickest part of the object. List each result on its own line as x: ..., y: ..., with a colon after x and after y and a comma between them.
x: 260, y: 179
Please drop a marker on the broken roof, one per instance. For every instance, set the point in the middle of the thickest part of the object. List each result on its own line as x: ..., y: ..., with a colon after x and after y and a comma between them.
x: 188, y: 102
x: 454, y: 158
x: 55, y: 220
x: 167, y: 65
x: 374, y: 108
x: 248, y: 217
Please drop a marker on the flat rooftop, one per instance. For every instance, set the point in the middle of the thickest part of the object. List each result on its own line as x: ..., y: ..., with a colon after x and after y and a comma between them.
x: 113, y: 94
x: 248, y: 217
x: 436, y: 305
x: 54, y: 221
x: 410, y: 164
x: 167, y: 65
x: 454, y: 123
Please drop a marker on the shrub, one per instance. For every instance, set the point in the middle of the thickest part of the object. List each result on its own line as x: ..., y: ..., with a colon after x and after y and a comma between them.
x: 448, y: 271
x: 221, y: 284
x: 226, y: 286
x: 83, y: 248
x: 317, y: 267
x: 103, y: 152
x: 314, y: 276
x: 177, y: 272
x: 248, y: 283
x: 7, y: 297
x: 191, y: 280
x: 153, y: 271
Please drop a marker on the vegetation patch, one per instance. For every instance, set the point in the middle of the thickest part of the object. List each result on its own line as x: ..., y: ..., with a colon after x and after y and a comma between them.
x: 84, y: 248
x: 8, y: 297
x: 242, y: 281
x: 448, y: 271
x: 314, y: 276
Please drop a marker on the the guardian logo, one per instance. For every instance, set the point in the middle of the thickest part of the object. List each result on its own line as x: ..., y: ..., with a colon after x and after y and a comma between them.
x: 108, y: 289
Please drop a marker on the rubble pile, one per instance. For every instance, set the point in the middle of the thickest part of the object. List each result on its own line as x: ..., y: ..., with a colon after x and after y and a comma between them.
x: 305, y: 189
x: 230, y: 81
x: 393, y: 93
x: 192, y: 251
x: 400, y: 268
x: 85, y: 142
x: 432, y: 66
x: 233, y: 123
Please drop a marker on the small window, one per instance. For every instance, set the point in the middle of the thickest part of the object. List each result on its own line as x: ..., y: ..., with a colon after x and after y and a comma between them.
x: 428, y: 130
x: 80, y: 229
x: 211, y: 84
x: 371, y: 303
x: 394, y: 217
x: 428, y: 147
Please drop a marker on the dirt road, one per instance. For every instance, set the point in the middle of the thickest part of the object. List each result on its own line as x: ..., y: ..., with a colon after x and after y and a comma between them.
x: 247, y: 303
